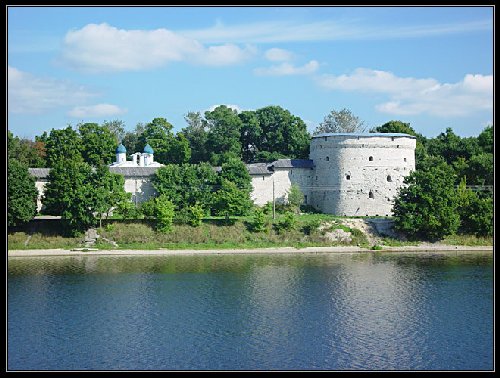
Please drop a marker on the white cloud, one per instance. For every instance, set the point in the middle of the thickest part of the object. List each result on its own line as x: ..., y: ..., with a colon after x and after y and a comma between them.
x: 409, y: 95
x: 330, y: 30
x: 104, y: 48
x: 286, y: 68
x: 34, y: 95
x: 278, y: 55
x: 96, y: 111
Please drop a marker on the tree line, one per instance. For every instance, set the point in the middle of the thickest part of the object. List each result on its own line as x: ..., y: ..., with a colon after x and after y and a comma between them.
x: 435, y: 201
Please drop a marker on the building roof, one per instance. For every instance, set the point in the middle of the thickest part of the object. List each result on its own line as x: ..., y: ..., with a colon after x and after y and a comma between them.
x: 292, y: 163
x: 259, y: 169
x: 134, y: 171
x: 148, y: 149
x: 39, y: 172
x: 364, y: 135
x: 121, y: 149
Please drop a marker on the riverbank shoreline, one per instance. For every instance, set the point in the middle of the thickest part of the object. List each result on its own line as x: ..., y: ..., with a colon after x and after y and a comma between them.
x: 428, y: 248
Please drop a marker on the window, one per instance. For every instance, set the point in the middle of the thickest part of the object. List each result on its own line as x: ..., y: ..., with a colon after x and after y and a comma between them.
x: 370, y: 158
x: 397, y: 146
x: 392, y: 138
x: 347, y: 177
x: 389, y: 178
x: 305, y: 199
x: 404, y: 159
x: 370, y: 195
x: 263, y: 178
x: 326, y: 138
x: 328, y: 158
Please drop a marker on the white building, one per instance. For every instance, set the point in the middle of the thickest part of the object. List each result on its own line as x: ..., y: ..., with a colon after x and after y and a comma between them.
x: 347, y: 174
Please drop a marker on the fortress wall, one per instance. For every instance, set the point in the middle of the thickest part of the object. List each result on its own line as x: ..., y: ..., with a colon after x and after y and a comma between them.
x: 350, y: 167
x: 283, y: 179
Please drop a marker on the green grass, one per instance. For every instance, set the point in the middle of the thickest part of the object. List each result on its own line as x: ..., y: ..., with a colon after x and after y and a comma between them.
x: 215, y: 233
x: 469, y: 240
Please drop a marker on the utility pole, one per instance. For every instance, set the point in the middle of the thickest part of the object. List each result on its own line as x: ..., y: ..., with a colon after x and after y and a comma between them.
x: 274, y: 203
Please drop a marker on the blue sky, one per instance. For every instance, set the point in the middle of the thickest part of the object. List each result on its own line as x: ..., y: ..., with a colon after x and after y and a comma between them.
x: 429, y: 66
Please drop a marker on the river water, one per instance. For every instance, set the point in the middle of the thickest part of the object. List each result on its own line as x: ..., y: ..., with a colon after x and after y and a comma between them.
x: 368, y: 311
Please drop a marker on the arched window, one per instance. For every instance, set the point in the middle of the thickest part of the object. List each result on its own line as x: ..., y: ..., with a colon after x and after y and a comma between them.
x: 370, y: 195
x: 347, y: 177
x: 328, y: 158
x: 404, y: 159
x: 370, y: 158
x: 389, y: 178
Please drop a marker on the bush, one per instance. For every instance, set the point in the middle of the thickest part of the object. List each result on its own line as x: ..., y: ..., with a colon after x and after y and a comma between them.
x: 147, y: 208
x: 258, y: 222
x: 287, y: 223
x: 196, y: 213
x: 164, y: 211
x: 311, y: 226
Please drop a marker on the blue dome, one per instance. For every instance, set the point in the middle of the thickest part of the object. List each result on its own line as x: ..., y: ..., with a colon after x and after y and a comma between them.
x: 148, y: 149
x: 121, y: 149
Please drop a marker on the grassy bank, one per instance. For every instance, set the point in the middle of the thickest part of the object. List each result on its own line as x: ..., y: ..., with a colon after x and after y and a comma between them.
x: 310, y: 230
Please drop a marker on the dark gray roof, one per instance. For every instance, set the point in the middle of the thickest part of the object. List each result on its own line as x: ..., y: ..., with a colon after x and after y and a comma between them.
x: 292, y: 163
x: 259, y: 169
x: 39, y: 172
x: 134, y: 171
x: 364, y: 135
x: 126, y: 171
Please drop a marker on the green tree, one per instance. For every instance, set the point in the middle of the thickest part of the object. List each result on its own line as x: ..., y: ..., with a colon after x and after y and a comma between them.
x: 98, y: 144
x: 32, y: 154
x: 485, y: 139
x: 167, y: 148
x: 427, y: 205
x: 131, y: 139
x: 70, y: 193
x: 295, y: 197
x: 282, y: 133
x: 230, y: 200
x: 196, y: 133
x: 224, y: 130
x: 235, y: 170
x: 109, y: 192
x: 116, y: 128
x: 164, y: 211
x: 251, y: 134
x: 450, y: 146
x: 21, y: 194
x: 63, y: 144
x: 479, y: 169
x: 342, y: 121
x: 187, y: 184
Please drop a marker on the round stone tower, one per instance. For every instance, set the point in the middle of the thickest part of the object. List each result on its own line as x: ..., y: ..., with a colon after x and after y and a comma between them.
x: 359, y: 174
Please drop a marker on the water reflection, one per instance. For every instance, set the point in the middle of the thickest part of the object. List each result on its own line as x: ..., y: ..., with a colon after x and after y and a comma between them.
x: 327, y: 312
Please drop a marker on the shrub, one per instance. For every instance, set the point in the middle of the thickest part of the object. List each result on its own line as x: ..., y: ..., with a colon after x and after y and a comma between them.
x: 164, y: 211
x: 258, y: 222
x: 287, y: 223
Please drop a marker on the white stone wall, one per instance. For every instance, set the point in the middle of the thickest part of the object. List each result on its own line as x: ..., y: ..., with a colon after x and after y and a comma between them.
x: 283, y: 179
x: 349, y: 168
x: 40, y: 186
x: 141, y: 188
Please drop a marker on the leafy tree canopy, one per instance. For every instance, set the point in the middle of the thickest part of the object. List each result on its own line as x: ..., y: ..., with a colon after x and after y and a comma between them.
x: 21, y: 194
x: 342, y: 121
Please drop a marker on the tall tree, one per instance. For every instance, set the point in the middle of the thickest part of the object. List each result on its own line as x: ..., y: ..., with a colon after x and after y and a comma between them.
x: 63, y: 144
x: 342, y: 121
x: 427, y: 205
x: 282, y: 133
x: 167, y: 149
x: 131, y: 139
x: 224, y: 128
x: 117, y: 128
x: 21, y: 194
x: 251, y: 134
x: 196, y: 133
x: 98, y: 144
x: 24, y: 150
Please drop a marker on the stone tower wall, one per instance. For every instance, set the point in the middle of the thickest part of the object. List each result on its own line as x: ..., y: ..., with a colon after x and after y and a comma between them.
x: 359, y: 174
